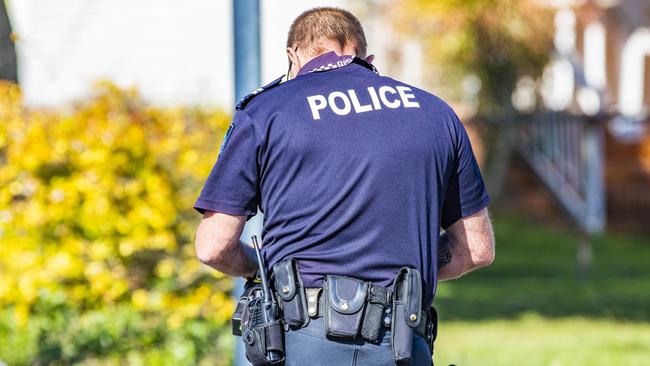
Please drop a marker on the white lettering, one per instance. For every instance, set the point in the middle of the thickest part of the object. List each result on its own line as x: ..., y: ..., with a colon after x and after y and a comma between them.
x: 382, y: 94
x: 346, y: 103
x: 404, y: 92
x: 355, y: 103
x: 342, y: 103
x: 374, y: 97
x: 316, y: 103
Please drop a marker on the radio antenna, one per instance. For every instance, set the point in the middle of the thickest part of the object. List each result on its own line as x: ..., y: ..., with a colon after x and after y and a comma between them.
x: 260, y: 263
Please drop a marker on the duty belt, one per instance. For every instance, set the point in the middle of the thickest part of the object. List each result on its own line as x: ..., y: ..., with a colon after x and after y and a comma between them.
x: 355, y: 309
x: 426, y: 329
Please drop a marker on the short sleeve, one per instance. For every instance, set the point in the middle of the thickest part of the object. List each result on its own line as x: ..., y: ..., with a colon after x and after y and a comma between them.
x: 466, y: 193
x: 232, y: 186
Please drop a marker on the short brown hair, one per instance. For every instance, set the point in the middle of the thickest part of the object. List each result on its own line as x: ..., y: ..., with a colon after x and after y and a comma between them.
x: 327, y: 23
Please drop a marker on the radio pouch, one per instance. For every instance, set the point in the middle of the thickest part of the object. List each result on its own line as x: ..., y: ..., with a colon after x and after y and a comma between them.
x: 344, y: 299
x: 260, y: 341
x: 252, y: 290
x: 407, y: 313
x: 263, y: 339
x: 291, y: 292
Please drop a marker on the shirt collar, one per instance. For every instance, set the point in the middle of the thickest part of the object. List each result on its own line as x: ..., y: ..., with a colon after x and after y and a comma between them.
x: 331, y: 60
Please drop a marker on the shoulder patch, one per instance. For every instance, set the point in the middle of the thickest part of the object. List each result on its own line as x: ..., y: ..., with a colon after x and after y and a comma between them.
x: 246, y: 99
x: 226, y: 137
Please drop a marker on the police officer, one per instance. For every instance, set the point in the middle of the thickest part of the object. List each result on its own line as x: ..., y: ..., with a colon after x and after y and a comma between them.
x: 356, y: 174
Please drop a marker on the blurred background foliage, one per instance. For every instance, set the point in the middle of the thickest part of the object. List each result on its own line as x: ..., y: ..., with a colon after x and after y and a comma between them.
x: 496, y: 41
x: 96, y: 231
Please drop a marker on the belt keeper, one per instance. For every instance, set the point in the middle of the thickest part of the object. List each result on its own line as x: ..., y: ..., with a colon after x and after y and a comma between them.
x: 312, y: 301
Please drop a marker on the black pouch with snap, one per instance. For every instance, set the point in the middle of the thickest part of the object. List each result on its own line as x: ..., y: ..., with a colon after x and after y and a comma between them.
x: 407, y: 313
x: 291, y: 292
x: 344, y: 301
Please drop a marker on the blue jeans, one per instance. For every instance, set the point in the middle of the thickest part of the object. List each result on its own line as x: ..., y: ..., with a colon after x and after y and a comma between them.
x: 309, y: 346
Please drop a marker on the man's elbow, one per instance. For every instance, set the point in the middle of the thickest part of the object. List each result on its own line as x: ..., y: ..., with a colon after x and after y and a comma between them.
x: 485, y: 257
x: 210, y: 251
x: 209, y: 256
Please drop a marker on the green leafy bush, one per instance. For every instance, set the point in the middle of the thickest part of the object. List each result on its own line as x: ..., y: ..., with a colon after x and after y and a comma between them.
x: 96, y: 228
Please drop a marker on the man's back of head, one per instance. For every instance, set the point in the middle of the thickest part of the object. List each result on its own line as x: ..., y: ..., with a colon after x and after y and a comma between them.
x: 315, y: 28
x: 322, y: 30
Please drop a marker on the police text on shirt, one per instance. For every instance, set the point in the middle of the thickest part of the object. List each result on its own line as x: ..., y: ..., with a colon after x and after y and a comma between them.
x: 342, y: 103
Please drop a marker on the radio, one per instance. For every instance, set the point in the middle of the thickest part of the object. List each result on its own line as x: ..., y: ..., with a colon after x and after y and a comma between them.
x: 257, y: 319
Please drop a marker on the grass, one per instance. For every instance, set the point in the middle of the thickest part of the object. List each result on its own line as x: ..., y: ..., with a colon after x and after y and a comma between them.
x: 529, y: 308
x: 532, y: 340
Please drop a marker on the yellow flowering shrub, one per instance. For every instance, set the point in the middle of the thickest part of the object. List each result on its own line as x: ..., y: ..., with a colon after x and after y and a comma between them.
x: 96, y: 231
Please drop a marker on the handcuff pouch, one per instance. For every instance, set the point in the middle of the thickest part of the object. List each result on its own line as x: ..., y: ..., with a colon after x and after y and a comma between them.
x: 343, y: 303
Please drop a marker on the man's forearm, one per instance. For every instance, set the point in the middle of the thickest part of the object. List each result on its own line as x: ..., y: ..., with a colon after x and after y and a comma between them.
x: 218, y: 245
x: 471, y: 243
x: 238, y: 261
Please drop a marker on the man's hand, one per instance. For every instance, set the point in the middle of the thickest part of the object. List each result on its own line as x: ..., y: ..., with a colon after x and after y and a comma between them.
x: 217, y: 244
x: 471, y: 241
x: 444, y: 250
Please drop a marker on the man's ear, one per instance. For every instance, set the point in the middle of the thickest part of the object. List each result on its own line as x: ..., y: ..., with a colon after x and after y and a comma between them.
x: 370, y: 58
x: 295, y: 61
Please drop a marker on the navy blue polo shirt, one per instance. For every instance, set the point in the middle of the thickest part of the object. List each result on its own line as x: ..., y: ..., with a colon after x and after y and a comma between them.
x: 355, y: 172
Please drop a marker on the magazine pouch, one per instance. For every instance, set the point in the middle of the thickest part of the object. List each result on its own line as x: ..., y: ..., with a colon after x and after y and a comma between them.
x: 406, y: 313
x: 291, y: 293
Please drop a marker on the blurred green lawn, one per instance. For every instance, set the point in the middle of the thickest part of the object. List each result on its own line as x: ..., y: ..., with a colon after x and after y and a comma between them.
x: 529, y: 308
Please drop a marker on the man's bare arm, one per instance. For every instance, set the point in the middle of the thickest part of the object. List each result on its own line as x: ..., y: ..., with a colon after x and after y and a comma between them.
x: 472, y: 245
x: 217, y: 244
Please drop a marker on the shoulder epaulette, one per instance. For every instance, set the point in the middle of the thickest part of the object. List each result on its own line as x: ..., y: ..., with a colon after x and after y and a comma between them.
x: 246, y: 99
